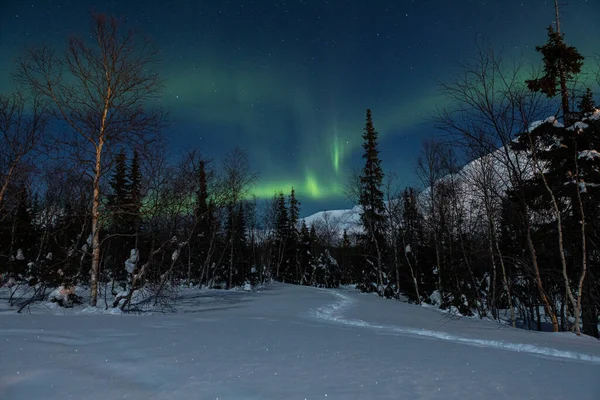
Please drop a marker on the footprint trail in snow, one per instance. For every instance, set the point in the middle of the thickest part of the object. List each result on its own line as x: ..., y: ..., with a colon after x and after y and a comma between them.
x: 334, y: 313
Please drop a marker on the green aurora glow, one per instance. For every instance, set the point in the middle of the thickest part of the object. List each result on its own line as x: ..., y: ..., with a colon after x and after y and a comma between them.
x: 290, y: 82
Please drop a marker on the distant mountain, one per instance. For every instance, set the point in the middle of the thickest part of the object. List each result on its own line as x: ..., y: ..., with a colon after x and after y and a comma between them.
x: 336, y: 220
x: 467, y: 179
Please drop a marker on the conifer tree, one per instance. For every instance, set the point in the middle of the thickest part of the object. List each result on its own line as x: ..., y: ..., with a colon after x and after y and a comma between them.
x: 561, y: 64
x: 236, y: 232
x: 344, y: 258
x: 294, y: 214
x: 134, y: 192
x: 304, y: 251
x: 371, y: 202
x: 345, y: 240
x: 118, y: 198
x: 313, y: 237
x: 282, y: 233
x: 587, y: 104
x: 566, y: 189
x: 204, y: 222
x: 118, y: 206
x: 22, y: 232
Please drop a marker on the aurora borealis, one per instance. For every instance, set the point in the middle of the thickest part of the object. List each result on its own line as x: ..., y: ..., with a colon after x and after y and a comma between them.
x: 289, y: 81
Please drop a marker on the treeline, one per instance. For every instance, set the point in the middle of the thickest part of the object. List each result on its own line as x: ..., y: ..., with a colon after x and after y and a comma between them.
x: 512, y: 234
x: 90, y: 197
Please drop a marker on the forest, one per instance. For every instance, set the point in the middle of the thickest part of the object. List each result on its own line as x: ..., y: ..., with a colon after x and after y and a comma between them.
x: 505, y: 224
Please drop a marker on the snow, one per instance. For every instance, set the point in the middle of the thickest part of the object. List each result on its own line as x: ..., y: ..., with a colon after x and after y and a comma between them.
x: 578, y: 127
x: 131, y: 262
x: 552, y: 120
x: 287, y: 342
x: 589, y: 154
x: 337, y: 220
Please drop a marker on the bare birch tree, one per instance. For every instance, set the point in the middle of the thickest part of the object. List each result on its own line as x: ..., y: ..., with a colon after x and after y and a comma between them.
x: 491, y: 106
x: 102, y: 89
x: 430, y: 171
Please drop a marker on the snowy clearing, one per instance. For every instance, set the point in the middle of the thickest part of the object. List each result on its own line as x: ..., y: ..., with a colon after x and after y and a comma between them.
x: 287, y: 342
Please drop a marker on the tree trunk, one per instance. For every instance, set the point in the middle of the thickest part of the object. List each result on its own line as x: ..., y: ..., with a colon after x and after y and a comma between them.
x: 538, y: 280
x: 561, y: 248
x: 231, y: 252
x: 7, y: 181
x: 493, y: 259
x: 577, y: 308
x: 96, y: 226
x: 396, y: 265
x: 589, y: 311
x: 412, y: 272
x: 504, y: 278
x: 379, y: 267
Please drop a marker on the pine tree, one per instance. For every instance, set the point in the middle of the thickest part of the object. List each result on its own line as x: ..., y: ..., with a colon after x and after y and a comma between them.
x: 282, y: 234
x: 202, y: 194
x: 293, y: 211
x: 344, y: 256
x: 119, y: 209
x: 325, y: 271
x: 204, y: 223
x: 314, y: 239
x: 134, y: 193
x: 345, y: 240
x: 304, y: 251
x: 118, y: 198
x: 561, y: 63
x: 371, y: 201
x: 23, y: 235
x: 587, y: 104
x: 294, y: 274
x: 236, y: 232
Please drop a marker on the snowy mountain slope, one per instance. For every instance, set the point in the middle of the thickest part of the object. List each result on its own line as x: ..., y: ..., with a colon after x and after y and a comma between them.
x: 466, y: 179
x: 339, y: 220
x: 289, y: 342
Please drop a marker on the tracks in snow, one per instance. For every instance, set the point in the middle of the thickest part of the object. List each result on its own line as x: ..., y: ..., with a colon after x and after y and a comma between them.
x: 333, y: 313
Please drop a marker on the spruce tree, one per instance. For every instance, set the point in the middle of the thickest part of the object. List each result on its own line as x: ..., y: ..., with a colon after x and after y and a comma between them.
x: 22, y: 237
x: 372, y: 206
x: 304, y: 251
x: 282, y: 234
x: 134, y: 193
x: 294, y: 211
x: 294, y: 273
x: 236, y: 232
x: 119, y: 209
x: 118, y: 198
x: 587, y: 104
x: 345, y: 240
x: 561, y: 64
x: 344, y: 257
x: 204, y: 223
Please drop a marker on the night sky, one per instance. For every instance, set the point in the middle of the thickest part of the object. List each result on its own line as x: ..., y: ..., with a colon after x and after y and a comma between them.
x: 289, y: 81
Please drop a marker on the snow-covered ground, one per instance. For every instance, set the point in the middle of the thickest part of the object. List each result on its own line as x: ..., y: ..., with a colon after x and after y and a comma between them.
x: 287, y: 342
